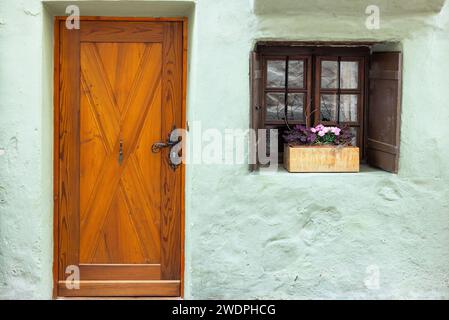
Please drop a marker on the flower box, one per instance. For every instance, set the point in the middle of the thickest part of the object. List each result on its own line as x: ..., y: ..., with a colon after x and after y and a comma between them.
x: 325, y: 158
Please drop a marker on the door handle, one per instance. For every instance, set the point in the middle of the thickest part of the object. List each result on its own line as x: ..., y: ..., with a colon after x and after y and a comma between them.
x: 158, y: 146
x: 172, y: 143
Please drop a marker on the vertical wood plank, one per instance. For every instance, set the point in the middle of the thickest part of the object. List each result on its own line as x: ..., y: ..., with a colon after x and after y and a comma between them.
x: 55, y: 155
x: 384, y: 114
x: 170, y: 179
x: 69, y: 149
x: 255, y: 116
x: 183, y: 168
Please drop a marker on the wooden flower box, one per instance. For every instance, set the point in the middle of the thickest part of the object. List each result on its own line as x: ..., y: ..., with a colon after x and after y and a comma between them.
x: 321, y: 159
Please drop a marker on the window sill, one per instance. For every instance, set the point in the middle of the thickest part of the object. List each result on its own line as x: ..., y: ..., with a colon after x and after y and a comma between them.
x: 365, y: 170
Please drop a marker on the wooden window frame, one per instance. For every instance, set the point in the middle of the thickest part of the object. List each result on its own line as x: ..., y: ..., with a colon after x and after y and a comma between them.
x: 380, y: 117
x: 313, y: 54
x: 361, y: 92
x: 306, y: 89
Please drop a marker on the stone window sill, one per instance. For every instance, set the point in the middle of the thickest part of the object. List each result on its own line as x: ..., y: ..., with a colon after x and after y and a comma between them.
x: 365, y: 170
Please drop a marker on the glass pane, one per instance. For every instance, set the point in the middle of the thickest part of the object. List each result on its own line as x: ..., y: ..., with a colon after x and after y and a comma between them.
x: 275, y: 104
x: 354, y: 132
x: 349, y: 74
x: 348, y: 107
x: 295, y: 106
x: 328, y: 107
x: 296, y: 74
x: 275, y: 73
x: 329, y: 74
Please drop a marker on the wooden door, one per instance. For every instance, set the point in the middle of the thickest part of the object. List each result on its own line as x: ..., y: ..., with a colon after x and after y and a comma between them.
x: 119, y: 204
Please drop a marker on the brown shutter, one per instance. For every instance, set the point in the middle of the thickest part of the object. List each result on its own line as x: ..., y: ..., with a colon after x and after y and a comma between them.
x: 384, y: 113
x: 255, y: 112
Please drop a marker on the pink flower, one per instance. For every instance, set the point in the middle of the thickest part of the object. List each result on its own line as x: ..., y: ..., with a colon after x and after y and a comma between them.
x: 336, y: 131
x: 326, y: 129
x: 319, y: 127
x: 313, y: 130
x: 321, y: 133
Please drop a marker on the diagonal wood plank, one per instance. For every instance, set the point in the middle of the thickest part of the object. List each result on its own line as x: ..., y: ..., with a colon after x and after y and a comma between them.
x: 119, y: 241
x: 93, y: 152
x: 147, y: 230
x: 109, y: 177
x: 100, y: 94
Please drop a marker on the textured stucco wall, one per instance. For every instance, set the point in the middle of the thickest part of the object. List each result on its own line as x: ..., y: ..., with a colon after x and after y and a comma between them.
x: 319, y: 235
x: 251, y: 235
x: 26, y: 161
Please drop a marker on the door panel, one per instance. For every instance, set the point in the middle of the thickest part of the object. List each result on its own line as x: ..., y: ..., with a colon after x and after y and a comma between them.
x: 120, y: 225
x: 119, y: 203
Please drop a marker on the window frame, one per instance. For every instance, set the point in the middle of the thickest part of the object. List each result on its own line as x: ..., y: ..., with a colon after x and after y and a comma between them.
x: 361, y: 92
x: 306, y: 90
x: 313, y: 54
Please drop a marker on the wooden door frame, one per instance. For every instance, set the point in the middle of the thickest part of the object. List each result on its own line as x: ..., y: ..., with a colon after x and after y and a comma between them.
x: 56, y: 132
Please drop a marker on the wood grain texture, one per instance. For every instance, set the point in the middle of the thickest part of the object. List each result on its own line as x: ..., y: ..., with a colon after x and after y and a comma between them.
x: 321, y: 159
x: 69, y: 148
x: 56, y: 73
x: 119, y: 205
x: 120, y: 271
x: 110, y: 18
x: 170, y: 179
x: 384, y: 113
x: 121, y: 31
x: 117, y: 288
x: 184, y: 126
x: 256, y: 90
x: 125, y: 221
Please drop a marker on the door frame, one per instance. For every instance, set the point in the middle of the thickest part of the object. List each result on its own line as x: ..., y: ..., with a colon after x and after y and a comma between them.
x: 56, y: 131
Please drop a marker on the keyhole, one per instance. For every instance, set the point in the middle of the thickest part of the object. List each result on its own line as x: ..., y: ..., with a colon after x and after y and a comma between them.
x: 120, y: 153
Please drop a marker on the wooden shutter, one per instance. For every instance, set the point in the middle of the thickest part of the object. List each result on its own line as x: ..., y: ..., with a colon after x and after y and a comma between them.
x: 255, y: 112
x: 384, y: 113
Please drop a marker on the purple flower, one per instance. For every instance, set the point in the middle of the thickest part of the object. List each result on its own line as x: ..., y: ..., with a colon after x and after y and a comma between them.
x: 302, y: 135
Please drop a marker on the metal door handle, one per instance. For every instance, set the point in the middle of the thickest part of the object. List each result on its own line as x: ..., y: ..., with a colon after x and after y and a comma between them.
x: 174, y: 143
x: 158, y: 146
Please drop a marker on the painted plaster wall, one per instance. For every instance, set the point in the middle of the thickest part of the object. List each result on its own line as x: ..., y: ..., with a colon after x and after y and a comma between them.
x: 26, y: 161
x: 250, y: 235
x: 319, y: 235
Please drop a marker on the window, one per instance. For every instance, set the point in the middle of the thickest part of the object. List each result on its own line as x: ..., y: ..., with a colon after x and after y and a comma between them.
x: 329, y: 84
x: 340, y: 93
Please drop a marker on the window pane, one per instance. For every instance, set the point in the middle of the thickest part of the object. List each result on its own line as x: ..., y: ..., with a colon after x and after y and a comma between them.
x: 329, y: 73
x: 328, y: 107
x: 296, y: 74
x: 349, y: 74
x: 348, y: 107
x: 275, y: 104
x: 275, y: 73
x: 354, y: 132
x: 295, y: 106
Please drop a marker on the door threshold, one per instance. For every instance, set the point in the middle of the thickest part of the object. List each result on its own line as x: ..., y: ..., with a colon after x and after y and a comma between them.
x: 118, y: 298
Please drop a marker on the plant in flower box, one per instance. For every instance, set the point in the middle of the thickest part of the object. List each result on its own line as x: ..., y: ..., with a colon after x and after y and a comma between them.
x: 320, y: 149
